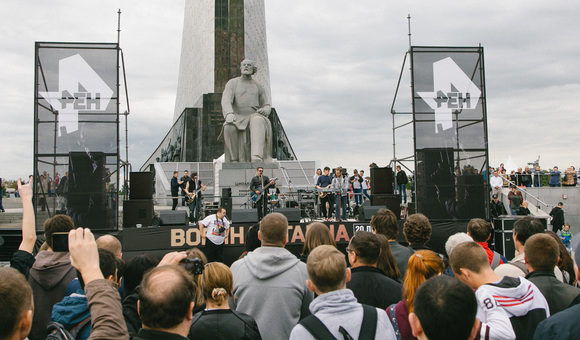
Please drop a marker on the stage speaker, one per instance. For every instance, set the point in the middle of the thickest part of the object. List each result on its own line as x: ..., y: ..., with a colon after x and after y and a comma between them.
x: 244, y: 216
x: 391, y: 202
x: 86, y: 197
x: 381, y: 180
x: 226, y: 200
x: 137, y: 212
x: 141, y: 185
x: 292, y: 214
x: 173, y: 217
x: 367, y: 211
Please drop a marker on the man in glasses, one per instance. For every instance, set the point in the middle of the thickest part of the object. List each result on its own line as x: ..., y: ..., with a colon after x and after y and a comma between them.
x: 257, y: 186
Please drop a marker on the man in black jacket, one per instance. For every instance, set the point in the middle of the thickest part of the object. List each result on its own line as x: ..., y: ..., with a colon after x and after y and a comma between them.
x: 557, y: 217
x: 369, y: 284
x: 257, y: 185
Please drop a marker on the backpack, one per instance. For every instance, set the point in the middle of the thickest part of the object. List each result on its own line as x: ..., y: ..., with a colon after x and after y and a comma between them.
x: 319, y: 331
x: 56, y: 331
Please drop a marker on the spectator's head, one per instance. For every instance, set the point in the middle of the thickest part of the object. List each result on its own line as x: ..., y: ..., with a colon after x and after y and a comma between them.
x: 16, y: 306
x: 56, y: 224
x: 387, y: 262
x: 195, y: 253
x: 111, y: 243
x: 541, y: 252
x: 455, y: 240
x: 566, y: 227
x: 565, y: 262
x: 469, y: 260
x: 524, y: 228
x: 417, y: 229
x: 274, y: 230
x: 251, y: 241
x: 560, y: 204
x: 218, y: 283
x: 479, y: 229
x: 422, y: 265
x: 108, y: 265
x: 384, y: 222
x: 364, y: 249
x: 317, y: 234
x: 175, y: 174
x: 166, y: 299
x: 445, y: 308
x: 135, y: 269
x: 326, y: 270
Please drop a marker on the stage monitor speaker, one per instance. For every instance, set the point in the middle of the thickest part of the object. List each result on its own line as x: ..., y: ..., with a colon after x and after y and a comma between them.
x: 141, y: 185
x: 173, y: 217
x: 292, y: 214
x: 391, y: 202
x: 244, y: 216
x: 381, y: 180
x: 367, y: 211
x: 137, y: 212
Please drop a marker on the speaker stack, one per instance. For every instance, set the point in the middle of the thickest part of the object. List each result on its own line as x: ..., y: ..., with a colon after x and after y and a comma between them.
x: 226, y: 200
x: 381, y: 194
x: 138, y: 210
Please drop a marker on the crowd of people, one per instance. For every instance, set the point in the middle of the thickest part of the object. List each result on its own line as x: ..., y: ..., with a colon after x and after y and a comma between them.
x: 378, y: 289
x: 534, y: 177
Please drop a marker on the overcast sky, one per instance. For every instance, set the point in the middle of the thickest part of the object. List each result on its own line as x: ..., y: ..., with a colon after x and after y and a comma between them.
x: 334, y: 66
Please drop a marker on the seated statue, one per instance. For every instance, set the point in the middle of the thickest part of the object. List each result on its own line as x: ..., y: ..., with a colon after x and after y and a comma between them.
x: 247, y: 130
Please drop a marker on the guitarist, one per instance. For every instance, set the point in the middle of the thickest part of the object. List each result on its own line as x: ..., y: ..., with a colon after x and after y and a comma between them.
x: 194, y: 187
x: 256, y: 185
x: 324, y: 182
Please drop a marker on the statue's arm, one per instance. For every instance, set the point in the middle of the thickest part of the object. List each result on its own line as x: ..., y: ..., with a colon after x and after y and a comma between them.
x: 228, y: 98
x: 265, y: 105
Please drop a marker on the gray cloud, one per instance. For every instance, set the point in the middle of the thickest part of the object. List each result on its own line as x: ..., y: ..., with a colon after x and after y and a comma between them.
x: 334, y: 66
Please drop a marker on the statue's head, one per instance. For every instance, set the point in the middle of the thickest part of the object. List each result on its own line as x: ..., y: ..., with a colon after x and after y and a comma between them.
x: 248, y: 67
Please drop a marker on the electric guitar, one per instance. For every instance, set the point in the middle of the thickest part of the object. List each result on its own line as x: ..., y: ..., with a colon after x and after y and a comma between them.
x: 323, y: 194
x: 194, y: 194
x: 256, y: 197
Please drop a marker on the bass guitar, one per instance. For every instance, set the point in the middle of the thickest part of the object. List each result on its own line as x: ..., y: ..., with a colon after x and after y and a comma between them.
x: 323, y: 194
x: 256, y: 197
x: 194, y: 195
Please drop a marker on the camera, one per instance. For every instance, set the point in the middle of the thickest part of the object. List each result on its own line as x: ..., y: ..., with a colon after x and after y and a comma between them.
x: 193, y: 266
x: 221, y: 229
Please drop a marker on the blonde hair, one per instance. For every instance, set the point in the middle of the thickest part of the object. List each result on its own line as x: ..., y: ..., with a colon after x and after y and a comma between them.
x: 217, y: 283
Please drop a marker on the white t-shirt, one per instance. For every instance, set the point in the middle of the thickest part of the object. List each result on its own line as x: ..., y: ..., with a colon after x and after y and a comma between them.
x: 212, y: 224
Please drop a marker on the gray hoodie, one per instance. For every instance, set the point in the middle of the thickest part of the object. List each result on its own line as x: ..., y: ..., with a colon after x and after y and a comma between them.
x: 340, y: 308
x: 270, y: 285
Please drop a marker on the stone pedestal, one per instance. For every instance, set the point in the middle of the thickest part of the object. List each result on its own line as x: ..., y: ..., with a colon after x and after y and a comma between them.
x: 238, y: 176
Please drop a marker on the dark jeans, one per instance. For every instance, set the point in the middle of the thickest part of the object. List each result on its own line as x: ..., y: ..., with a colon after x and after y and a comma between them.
x: 343, y: 200
x: 175, y: 201
x: 357, y: 195
x: 402, y: 192
x: 329, y: 198
x: 213, y: 252
x: 261, y: 207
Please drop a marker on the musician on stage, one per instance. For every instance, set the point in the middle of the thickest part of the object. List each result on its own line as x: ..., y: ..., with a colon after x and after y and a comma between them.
x: 341, y: 185
x: 193, y: 188
x: 256, y: 186
x: 324, y: 182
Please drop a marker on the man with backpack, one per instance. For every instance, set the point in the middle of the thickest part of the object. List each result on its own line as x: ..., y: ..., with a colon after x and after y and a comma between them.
x: 480, y: 231
x: 336, y: 314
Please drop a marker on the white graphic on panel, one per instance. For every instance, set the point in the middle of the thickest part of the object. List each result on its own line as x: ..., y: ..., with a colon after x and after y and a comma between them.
x: 79, y: 89
x: 452, y: 90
